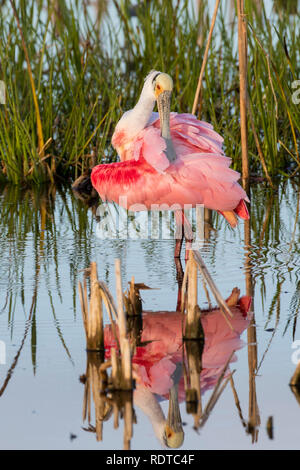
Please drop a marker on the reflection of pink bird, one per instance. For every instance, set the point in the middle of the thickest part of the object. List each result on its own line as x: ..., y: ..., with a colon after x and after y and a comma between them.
x: 162, y: 336
x: 156, y: 362
x: 168, y: 161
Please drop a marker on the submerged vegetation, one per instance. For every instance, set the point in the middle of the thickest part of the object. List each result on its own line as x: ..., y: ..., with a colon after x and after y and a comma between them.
x: 87, y: 65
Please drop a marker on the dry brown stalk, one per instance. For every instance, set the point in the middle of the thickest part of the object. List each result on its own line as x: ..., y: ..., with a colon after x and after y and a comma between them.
x: 205, y: 57
x: 120, y: 307
x: 92, y: 315
x: 242, y: 46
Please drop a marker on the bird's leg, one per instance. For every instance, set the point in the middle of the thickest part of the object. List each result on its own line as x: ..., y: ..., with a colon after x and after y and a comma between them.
x: 179, y: 278
x: 178, y: 246
x: 183, y: 230
x: 178, y: 233
x: 188, y: 235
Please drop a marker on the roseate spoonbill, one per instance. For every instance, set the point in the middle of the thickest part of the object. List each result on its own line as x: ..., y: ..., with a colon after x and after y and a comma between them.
x: 169, y: 161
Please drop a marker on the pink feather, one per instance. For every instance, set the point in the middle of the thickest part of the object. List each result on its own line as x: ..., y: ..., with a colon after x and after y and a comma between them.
x: 200, y: 174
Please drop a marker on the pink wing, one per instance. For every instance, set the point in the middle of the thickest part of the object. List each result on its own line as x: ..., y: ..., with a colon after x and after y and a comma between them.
x: 135, y: 182
x: 200, y: 175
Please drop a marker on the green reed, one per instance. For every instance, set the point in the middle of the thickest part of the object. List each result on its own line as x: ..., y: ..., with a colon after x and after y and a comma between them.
x: 88, y: 67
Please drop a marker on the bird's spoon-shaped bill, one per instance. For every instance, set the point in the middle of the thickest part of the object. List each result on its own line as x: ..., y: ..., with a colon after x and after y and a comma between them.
x: 163, y: 105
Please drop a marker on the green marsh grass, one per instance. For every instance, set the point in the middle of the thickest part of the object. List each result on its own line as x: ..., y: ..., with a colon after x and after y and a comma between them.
x: 88, y: 67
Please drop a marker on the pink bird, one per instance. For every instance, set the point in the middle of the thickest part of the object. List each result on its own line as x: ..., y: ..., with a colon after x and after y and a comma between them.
x: 169, y: 161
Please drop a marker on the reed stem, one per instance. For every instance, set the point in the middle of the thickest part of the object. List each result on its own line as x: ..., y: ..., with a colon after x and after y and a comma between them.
x: 196, y: 99
x: 242, y: 47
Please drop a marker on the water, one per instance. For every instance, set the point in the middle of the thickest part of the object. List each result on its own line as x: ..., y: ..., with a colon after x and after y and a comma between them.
x: 48, y: 238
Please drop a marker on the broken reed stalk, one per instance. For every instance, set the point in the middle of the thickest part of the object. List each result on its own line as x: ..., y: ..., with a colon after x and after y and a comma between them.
x: 41, y: 146
x: 95, y: 320
x: 126, y: 382
x: 295, y: 380
x: 120, y: 383
x: 205, y: 57
x: 84, y: 304
x: 115, y: 369
x: 132, y: 299
x: 190, y: 323
x: 225, y: 310
x: 109, y: 301
x: 135, y: 298
x: 193, y: 328
x: 242, y: 46
x: 126, y: 372
x: 93, y: 315
x: 110, y: 308
x: 120, y: 307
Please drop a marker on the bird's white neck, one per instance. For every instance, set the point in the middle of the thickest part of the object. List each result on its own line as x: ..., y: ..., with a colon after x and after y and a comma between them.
x: 137, y: 118
x: 147, y: 402
x: 142, y: 111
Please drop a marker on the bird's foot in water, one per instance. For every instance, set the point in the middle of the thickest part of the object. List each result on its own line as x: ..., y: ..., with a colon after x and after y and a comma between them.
x: 233, y: 298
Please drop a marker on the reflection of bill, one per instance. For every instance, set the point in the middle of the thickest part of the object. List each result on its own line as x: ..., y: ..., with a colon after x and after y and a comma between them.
x: 138, y: 223
x: 158, y: 362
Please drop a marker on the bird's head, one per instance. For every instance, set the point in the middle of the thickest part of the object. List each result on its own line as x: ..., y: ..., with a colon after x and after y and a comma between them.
x: 162, y: 82
x: 173, y: 434
x: 156, y: 83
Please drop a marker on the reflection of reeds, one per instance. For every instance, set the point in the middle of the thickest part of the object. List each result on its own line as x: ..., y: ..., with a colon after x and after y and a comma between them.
x: 254, y: 417
x: 193, y: 350
x: 217, y: 392
x: 111, y: 394
x: 193, y: 343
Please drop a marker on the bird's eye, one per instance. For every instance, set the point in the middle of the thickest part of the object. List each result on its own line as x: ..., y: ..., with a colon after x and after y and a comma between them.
x: 158, y: 87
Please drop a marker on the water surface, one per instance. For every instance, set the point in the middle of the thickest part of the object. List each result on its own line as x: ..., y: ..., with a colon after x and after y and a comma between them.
x: 48, y: 237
